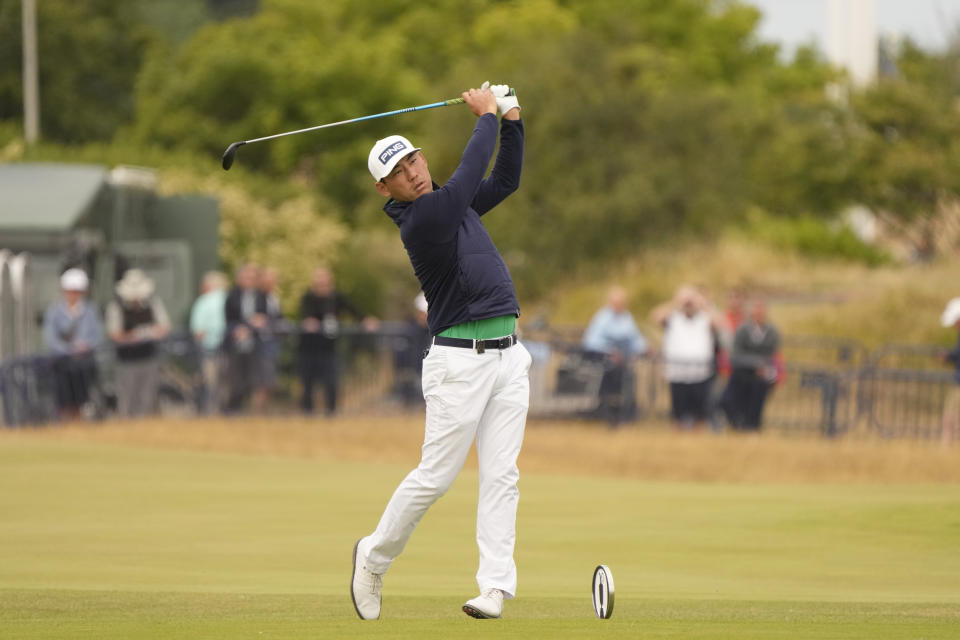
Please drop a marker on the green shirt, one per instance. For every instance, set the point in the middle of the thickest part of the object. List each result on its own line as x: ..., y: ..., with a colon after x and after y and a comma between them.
x: 483, y: 329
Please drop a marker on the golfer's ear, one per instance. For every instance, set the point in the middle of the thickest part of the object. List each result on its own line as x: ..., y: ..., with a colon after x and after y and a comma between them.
x: 382, y: 188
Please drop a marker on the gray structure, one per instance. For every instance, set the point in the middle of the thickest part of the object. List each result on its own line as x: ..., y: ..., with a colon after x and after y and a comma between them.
x: 61, y: 215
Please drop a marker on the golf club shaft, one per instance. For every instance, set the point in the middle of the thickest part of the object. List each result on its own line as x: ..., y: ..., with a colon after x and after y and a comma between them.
x: 432, y: 105
x: 231, y: 151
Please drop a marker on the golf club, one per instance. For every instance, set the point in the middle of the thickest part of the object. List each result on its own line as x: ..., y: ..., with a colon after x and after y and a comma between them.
x: 231, y: 152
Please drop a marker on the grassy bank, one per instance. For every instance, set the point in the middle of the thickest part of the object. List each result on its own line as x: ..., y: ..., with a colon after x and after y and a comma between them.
x: 895, y: 303
x: 650, y: 452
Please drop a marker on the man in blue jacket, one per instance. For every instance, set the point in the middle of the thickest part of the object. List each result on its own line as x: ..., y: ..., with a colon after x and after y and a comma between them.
x: 475, y: 374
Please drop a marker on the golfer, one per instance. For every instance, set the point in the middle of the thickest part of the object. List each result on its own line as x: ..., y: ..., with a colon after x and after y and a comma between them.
x: 475, y: 372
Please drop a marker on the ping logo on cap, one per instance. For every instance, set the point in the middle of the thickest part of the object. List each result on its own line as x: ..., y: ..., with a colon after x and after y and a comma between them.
x: 390, y: 151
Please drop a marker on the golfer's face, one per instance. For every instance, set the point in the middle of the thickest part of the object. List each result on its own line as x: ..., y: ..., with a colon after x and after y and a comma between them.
x: 409, y: 180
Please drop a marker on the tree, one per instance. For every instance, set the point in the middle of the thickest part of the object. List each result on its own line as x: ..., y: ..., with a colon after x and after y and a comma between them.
x: 646, y: 120
x: 910, y: 125
x: 89, y: 54
x: 291, y: 66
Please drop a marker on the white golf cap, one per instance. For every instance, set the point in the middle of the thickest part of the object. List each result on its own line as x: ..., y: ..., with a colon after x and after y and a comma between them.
x: 385, y: 155
x: 74, y: 280
x: 951, y: 314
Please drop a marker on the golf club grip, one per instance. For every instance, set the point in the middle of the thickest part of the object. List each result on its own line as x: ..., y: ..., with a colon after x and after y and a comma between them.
x: 454, y: 101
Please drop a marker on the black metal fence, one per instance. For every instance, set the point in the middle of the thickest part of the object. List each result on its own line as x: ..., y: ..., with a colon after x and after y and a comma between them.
x: 831, y: 386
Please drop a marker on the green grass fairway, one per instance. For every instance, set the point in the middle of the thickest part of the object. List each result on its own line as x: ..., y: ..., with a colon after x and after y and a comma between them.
x: 113, y: 541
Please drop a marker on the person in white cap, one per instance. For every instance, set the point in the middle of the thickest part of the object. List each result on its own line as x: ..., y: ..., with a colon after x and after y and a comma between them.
x: 71, y: 331
x: 136, y: 321
x: 951, y: 407
x: 475, y: 376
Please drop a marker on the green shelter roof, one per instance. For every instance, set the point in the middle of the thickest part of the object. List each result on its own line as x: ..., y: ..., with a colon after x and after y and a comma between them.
x: 47, y: 197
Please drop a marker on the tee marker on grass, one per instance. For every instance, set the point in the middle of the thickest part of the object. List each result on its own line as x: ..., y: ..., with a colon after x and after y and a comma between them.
x: 602, y: 591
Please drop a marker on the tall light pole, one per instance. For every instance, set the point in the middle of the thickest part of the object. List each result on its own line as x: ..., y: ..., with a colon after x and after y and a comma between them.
x: 31, y: 90
x: 852, y: 40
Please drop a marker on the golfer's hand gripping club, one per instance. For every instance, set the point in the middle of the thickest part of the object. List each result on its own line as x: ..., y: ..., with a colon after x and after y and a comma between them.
x: 230, y: 154
x: 506, y: 97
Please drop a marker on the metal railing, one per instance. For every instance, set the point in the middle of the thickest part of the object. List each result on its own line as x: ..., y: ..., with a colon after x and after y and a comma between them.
x: 831, y: 387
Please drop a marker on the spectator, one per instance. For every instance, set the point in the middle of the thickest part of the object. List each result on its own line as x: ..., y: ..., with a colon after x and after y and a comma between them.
x: 321, y: 308
x: 408, y: 358
x: 71, y: 332
x: 729, y: 322
x: 136, y: 321
x: 265, y: 370
x: 241, y: 340
x: 208, y: 325
x: 951, y: 407
x: 725, y: 326
x: 613, y: 335
x: 689, y: 355
x: 757, y: 367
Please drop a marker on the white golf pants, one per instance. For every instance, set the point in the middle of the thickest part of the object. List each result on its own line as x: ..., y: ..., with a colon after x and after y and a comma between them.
x: 469, y: 395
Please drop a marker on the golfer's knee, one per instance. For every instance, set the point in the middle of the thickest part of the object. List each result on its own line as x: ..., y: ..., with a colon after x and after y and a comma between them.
x: 504, y: 479
x: 434, y: 482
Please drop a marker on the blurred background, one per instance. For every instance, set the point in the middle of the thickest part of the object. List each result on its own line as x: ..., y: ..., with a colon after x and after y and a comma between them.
x: 801, y: 152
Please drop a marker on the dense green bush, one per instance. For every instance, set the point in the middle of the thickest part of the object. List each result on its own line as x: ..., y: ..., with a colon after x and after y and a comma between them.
x: 647, y: 121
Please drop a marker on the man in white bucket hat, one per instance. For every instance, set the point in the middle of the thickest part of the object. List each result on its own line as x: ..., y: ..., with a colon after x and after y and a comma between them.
x: 136, y: 321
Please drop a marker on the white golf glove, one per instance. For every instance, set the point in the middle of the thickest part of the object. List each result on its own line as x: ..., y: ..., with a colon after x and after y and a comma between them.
x: 501, y: 92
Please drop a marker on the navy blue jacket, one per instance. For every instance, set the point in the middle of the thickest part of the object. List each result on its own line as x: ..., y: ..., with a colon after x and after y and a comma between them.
x: 460, y: 270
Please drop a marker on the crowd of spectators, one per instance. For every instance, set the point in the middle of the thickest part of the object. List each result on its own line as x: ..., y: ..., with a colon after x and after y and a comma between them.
x: 720, y: 365
x: 135, y: 320
x: 238, y: 330
x: 254, y: 330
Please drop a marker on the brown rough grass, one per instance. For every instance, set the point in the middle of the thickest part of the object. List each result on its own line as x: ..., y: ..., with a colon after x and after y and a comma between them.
x: 646, y: 452
x: 897, y: 303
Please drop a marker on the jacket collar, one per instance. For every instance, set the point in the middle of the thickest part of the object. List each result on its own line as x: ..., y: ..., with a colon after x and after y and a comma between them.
x: 395, y: 209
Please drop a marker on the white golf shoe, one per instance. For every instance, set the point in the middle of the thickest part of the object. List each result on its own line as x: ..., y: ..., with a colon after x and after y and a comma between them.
x: 365, y: 588
x: 488, y: 604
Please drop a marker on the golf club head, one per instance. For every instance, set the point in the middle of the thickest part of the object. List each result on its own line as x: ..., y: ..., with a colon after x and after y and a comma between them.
x: 230, y: 153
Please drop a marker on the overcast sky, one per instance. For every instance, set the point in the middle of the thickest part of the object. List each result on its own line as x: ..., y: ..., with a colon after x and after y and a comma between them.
x: 795, y: 22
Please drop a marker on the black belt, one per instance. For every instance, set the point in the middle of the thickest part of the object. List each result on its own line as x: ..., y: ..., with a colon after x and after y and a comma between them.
x: 480, y: 345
